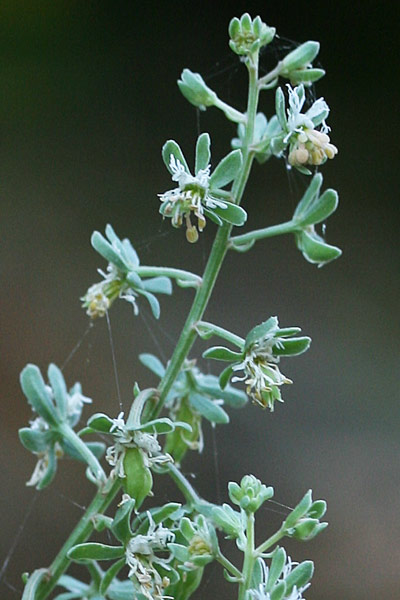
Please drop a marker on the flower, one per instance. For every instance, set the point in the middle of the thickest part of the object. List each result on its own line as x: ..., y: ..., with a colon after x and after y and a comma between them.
x: 140, y: 558
x: 307, y: 145
x: 294, y: 593
x: 201, y: 193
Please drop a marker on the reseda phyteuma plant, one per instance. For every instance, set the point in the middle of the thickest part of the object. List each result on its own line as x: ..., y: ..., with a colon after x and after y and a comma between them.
x: 162, y: 552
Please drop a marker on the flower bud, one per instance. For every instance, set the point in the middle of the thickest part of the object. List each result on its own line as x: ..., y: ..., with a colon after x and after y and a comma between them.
x: 251, y: 493
x: 195, y: 90
x: 248, y: 36
x: 138, y: 480
x: 299, y: 58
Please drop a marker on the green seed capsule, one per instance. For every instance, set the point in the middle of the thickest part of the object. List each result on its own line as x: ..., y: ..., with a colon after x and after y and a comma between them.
x: 179, y: 441
x: 138, y: 480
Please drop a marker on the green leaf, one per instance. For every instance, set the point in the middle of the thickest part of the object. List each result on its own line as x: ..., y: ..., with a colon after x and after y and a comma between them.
x: 222, y: 353
x: 226, y: 170
x: 322, y: 208
x: 279, y: 591
x: 280, y: 108
x: 231, y: 213
x: 231, y: 396
x: 161, y: 425
x: 171, y: 147
x: 299, y: 511
x: 225, y: 376
x: 308, y: 198
x: 104, y: 248
x: 50, y: 471
x: 34, y: 388
x: 317, y: 509
x: 33, y: 584
x: 97, y: 449
x: 154, y: 303
x: 180, y: 552
x: 315, y: 249
x: 100, y: 422
x: 300, y: 576
x: 213, y: 216
x: 36, y: 441
x: 153, y: 363
x: 300, y: 57
x: 110, y: 574
x: 306, y: 75
x: 202, y: 152
x: 134, y: 280
x: 158, y: 285
x: 292, y: 347
x: 277, y: 563
x: 95, y: 551
x: 260, y: 331
x: 208, y: 409
x: 121, y: 523
x: 60, y: 392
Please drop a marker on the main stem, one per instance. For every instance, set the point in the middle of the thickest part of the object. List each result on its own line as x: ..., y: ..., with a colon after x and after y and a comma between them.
x: 187, y: 338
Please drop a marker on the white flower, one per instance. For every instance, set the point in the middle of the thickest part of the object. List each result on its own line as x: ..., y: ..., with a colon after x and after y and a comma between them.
x: 100, y: 296
x: 261, y: 594
x: 261, y: 372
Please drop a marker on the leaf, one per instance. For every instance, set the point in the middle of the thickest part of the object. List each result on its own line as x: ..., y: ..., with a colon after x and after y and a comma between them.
x: 153, y: 363
x: 171, y: 147
x: 306, y: 75
x: 35, y: 390
x: 60, y: 392
x: 260, y: 331
x: 130, y: 254
x: 95, y: 551
x: 280, y: 108
x: 292, y: 347
x: 100, y: 422
x: 33, y: 584
x: 301, y: 56
x: 308, y: 197
x: 121, y: 523
x: 222, y: 353
x: 110, y: 575
x: 213, y: 216
x: 50, y: 472
x: 322, y: 208
x: 154, y: 303
x: 225, y: 376
x: 226, y: 170
x: 300, y: 576
x: 208, y: 409
x: 278, y: 593
x: 317, y: 509
x: 160, y: 426
x: 231, y: 213
x: 36, y: 441
x: 134, y: 280
x: 96, y: 448
x: 230, y: 395
x: 299, y: 511
x: 104, y: 248
x: 315, y: 249
x: 158, y: 285
x: 277, y: 563
x: 202, y: 152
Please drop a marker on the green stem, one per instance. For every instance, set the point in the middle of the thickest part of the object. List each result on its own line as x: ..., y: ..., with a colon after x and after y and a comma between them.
x: 80, y: 446
x: 274, y: 539
x: 189, y: 493
x: 185, y: 277
x: 259, y: 234
x: 249, y: 558
x: 80, y: 534
x: 206, y: 330
x: 225, y: 562
x: 265, y: 82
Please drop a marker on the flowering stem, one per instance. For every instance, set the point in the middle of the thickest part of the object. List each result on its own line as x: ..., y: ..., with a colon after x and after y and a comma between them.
x: 270, y: 542
x: 80, y: 446
x: 225, y: 562
x: 265, y: 82
x: 249, y: 558
x: 206, y: 330
x: 81, y: 532
x: 259, y: 234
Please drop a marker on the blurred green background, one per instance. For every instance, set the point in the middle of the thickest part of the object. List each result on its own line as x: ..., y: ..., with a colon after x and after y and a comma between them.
x: 88, y: 97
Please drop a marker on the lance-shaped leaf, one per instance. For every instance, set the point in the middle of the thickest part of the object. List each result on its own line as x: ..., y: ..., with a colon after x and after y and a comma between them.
x: 260, y: 331
x: 203, y: 153
x: 222, y: 353
x: 208, y: 409
x: 300, y: 57
x: 160, y: 426
x: 95, y: 551
x: 171, y: 147
x: 231, y: 213
x: 299, y: 511
x: 225, y: 376
x: 158, y: 285
x: 110, y: 575
x: 300, y: 576
x: 292, y: 347
x: 280, y: 108
x: 275, y: 570
x: 153, y: 363
x: 230, y: 395
x: 121, y: 524
x: 57, y: 383
x: 106, y: 250
x: 36, y: 441
x: 100, y: 422
x: 35, y: 390
x: 226, y: 170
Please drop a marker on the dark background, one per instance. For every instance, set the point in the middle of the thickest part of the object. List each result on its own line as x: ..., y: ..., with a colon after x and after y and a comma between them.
x: 88, y: 97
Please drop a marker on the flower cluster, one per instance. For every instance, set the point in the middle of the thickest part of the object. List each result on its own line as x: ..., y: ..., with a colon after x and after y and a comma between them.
x: 283, y: 581
x: 201, y: 193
